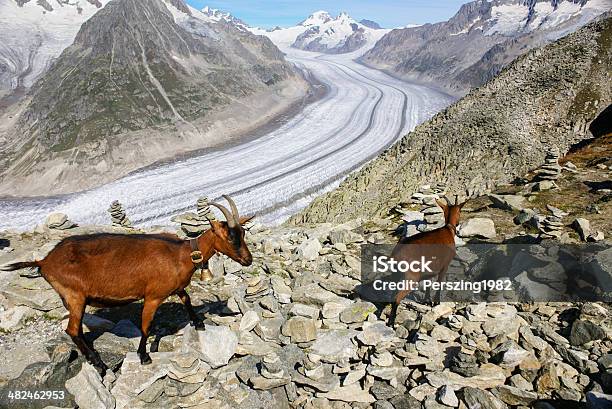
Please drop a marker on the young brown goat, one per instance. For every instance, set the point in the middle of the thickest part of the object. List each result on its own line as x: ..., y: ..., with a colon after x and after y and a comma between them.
x: 107, y: 270
x: 436, y: 245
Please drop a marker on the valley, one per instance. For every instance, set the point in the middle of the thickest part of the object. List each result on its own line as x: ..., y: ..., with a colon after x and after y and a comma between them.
x: 363, y: 113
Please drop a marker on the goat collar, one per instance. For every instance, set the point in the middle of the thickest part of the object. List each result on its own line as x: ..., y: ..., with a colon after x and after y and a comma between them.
x: 196, y: 255
x: 452, y: 227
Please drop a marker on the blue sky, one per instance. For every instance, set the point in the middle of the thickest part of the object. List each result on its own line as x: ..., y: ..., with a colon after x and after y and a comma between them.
x: 388, y: 13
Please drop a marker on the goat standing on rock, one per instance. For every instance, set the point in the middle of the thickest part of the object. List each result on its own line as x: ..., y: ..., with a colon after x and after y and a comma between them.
x: 437, y: 245
x: 106, y: 270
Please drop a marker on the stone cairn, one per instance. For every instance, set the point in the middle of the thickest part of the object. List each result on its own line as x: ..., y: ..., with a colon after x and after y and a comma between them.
x: 426, y: 192
x: 118, y: 216
x: 433, y: 216
x: 193, y: 225
x: 550, y: 170
x: 204, y: 212
x: 59, y: 221
x: 551, y: 226
x: 256, y: 288
x: 271, y: 373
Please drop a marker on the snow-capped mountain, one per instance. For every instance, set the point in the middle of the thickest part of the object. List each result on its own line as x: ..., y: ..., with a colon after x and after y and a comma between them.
x: 34, y: 33
x: 323, y: 33
x: 169, y: 55
x: 317, y: 18
x: 477, y: 42
x: 218, y: 15
x: 134, y: 71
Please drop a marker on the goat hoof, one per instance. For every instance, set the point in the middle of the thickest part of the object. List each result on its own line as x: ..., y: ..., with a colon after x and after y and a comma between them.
x: 145, y: 359
x: 199, y: 325
x: 101, y: 368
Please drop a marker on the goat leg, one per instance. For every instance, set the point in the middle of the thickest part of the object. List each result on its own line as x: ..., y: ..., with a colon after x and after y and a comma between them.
x: 428, y: 299
x: 148, y: 312
x: 393, y: 314
x: 398, y: 299
x: 76, y: 309
x: 186, y: 300
x: 441, y: 279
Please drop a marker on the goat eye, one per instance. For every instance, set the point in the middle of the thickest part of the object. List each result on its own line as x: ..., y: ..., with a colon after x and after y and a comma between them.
x: 235, y: 238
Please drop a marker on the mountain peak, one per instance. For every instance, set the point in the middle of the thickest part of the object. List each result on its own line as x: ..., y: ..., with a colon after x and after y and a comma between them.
x: 317, y: 18
x: 343, y: 16
x: 219, y: 15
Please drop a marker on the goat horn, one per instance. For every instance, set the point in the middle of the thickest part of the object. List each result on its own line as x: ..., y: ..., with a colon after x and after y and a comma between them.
x: 233, y: 207
x: 231, y: 221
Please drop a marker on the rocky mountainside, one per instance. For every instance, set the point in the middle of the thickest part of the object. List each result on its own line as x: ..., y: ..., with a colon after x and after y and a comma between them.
x: 139, y: 65
x: 292, y: 331
x: 544, y: 99
x: 133, y: 66
x: 321, y: 32
x: 476, y: 43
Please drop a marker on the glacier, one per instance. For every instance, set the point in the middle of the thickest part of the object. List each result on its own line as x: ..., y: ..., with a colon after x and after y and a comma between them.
x: 274, y: 175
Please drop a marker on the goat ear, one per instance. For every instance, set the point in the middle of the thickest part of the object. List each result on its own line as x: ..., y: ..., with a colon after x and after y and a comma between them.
x: 245, y: 219
x: 214, y: 226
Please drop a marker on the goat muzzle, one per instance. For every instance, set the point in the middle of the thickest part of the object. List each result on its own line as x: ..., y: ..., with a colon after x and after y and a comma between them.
x: 246, y: 261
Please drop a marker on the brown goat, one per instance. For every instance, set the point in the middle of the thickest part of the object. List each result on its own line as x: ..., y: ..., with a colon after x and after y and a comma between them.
x: 106, y: 270
x: 436, y: 245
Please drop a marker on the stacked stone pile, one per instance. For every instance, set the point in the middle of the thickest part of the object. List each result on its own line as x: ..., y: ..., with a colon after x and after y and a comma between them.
x: 425, y: 192
x: 433, y: 215
x: 288, y: 331
x: 204, y: 211
x: 59, y: 221
x: 550, y: 170
x: 118, y: 215
x: 551, y: 226
x: 194, y: 224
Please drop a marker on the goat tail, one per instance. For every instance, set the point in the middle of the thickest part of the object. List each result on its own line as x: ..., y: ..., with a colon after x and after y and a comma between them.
x: 20, y: 265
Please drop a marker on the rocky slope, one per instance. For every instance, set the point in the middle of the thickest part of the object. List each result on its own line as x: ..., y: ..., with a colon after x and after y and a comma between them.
x: 136, y: 65
x: 474, y: 45
x: 290, y: 330
x: 497, y: 132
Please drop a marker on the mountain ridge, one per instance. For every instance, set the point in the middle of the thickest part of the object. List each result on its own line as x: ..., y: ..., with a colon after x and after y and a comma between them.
x: 320, y: 32
x: 478, y: 41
